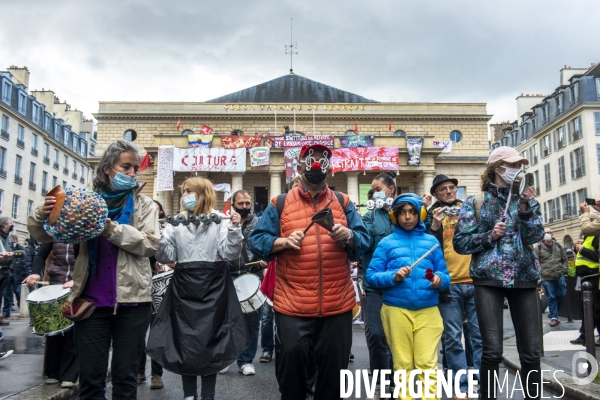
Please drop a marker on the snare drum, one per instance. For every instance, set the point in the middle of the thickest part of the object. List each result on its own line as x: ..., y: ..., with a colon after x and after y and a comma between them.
x: 160, y: 284
x: 44, y: 309
x: 248, y: 291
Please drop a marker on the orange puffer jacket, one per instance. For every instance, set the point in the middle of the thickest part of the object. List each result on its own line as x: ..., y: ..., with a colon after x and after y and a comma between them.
x: 315, y: 280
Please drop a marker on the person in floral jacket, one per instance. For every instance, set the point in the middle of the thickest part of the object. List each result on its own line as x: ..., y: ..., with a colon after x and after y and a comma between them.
x: 503, y: 264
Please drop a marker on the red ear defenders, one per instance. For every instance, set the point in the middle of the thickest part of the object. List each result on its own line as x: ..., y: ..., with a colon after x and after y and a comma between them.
x: 422, y: 211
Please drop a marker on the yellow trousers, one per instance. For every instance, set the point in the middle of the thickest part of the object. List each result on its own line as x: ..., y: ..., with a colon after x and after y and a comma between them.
x: 413, y: 337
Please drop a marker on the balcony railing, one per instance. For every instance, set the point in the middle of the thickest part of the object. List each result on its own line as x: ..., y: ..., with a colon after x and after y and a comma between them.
x: 577, y: 135
x: 66, y: 171
x: 44, y: 191
x: 578, y: 173
x: 32, y: 185
x: 74, y: 175
x: 34, y: 152
x: 18, y: 180
x: 82, y: 180
x: 46, y: 160
x: 20, y: 143
x: 5, y: 135
x: 55, y: 165
x: 2, y: 173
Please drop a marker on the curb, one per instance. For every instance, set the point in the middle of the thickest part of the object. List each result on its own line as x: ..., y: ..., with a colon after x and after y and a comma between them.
x: 47, y: 392
x: 568, y: 389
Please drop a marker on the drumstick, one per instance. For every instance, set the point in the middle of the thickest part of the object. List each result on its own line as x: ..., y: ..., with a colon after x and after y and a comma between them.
x: 435, y: 246
x: 254, y: 262
x: 43, y: 283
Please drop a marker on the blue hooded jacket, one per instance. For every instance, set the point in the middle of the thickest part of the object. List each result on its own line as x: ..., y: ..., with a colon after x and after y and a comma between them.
x: 401, y: 249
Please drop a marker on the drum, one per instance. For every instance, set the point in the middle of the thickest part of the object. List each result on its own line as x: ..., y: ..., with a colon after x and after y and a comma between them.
x: 248, y: 291
x: 44, y: 309
x: 160, y: 284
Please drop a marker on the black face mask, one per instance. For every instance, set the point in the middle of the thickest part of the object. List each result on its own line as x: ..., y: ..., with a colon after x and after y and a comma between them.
x: 315, y: 176
x: 10, y: 228
x: 244, y: 212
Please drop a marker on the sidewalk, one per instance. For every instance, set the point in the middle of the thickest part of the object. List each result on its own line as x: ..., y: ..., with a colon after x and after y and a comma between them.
x: 558, y: 355
x: 21, y: 373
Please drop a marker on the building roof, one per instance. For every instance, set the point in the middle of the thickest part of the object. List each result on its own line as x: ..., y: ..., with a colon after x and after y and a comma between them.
x: 291, y: 88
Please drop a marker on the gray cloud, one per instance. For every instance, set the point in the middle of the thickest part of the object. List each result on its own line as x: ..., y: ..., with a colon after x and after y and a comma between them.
x: 435, y: 51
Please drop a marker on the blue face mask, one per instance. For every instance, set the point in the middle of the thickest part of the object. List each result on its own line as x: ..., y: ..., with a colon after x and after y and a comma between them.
x: 122, y: 182
x: 379, y: 195
x: 190, y: 202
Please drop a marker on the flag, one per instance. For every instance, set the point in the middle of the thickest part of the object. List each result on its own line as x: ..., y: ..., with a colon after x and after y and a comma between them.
x: 206, y: 130
x: 178, y: 123
x: 390, y: 127
x: 356, y: 126
x: 145, y: 162
x: 227, y: 209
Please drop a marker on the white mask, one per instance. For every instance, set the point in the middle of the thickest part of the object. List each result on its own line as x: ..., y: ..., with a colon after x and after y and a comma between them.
x: 548, y: 237
x: 509, y: 174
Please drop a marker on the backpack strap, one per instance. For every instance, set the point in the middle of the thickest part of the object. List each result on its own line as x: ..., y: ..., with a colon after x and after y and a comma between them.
x: 280, y: 202
x: 478, y: 203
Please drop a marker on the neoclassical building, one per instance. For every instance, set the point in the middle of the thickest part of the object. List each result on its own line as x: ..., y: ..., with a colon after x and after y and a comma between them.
x: 307, y: 108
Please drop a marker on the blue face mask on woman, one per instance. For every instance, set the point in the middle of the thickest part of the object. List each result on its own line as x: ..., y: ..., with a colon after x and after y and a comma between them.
x: 379, y: 195
x: 122, y: 182
x: 190, y: 202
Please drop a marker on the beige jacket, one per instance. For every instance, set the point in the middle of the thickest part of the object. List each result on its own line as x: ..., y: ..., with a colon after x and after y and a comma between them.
x: 136, y: 243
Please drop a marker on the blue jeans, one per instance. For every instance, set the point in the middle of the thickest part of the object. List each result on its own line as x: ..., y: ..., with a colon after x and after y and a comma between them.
x: 380, y: 356
x: 253, y: 324
x: 463, y: 300
x: 266, y: 329
x: 555, y: 292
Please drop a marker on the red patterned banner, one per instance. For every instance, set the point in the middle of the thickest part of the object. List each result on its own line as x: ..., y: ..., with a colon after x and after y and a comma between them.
x: 238, y: 142
x: 365, y: 159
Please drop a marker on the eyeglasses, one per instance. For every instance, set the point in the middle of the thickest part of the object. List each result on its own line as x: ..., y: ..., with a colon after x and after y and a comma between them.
x: 446, y: 189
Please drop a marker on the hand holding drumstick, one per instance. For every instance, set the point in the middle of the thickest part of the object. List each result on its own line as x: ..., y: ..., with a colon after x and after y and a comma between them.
x: 404, y: 271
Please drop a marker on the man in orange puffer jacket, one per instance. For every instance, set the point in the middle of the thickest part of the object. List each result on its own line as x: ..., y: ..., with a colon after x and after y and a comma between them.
x: 314, y: 295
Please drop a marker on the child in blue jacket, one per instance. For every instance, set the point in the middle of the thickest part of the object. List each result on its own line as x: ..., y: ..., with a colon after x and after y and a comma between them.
x: 411, y: 320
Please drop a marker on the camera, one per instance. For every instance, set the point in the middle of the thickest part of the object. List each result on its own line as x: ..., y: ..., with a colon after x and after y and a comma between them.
x: 590, y: 202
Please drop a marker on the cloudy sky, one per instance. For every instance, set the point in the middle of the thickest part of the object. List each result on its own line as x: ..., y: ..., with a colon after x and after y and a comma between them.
x: 392, y: 50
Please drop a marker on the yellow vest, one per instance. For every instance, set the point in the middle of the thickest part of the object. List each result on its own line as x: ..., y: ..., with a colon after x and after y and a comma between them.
x: 583, y: 261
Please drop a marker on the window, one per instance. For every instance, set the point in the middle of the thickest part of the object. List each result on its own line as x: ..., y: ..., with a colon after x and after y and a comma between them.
x: 582, y: 194
x: 574, y: 93
x: 524, y: 154
x: 21, y: 134
x: 82, y: 173
x: 533, y: 154
x: 577, y: 163
x: 556, y: 209
x: 3, y: 162
x: 533, y: 124
x: 561, y: 171
x: 5, y: 122
x: 574, y: 129
x: 598, y: 156
x: 29, y: 207
x: 57, y: 131
x: 47, y: 122
x: 400, y: 133
x: 18, y: 162
x: 66, y: 136
x: 22, y: 102
x: 558, y: 103
x: 64, y: 185
x: 6, y: 91
x: 547, y: 177
x: 237, y: 132
x: 546, y: 212
x: 47, y: 151
x: 598, y: 87
x: 536, y: 183
x: 130, y: 135
x: 54, y: 181
x: 567, y: 206
x: 55, y: 156
x: 184, y: 133
x: 545, y: 108
x: 32, y: 173
x: 350, y: 133
x: 546, y: 146
x: 597, y: 122
x: 455, y: 136
x: 462, y: 192
x: 15, y: 207
x: 36, y: 113
x: 559, y: 138
x: 75, y: 142
x: 1, y: 198
x: 75, y: 169
x: 34, y: 141
x: 44, y: 182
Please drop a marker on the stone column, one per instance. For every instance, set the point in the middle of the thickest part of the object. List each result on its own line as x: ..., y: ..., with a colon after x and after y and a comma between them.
x: 275, y: 186
x: 419, y: 186
x: 427, y: 181
x: 352, y: 187
x: 237, y: 182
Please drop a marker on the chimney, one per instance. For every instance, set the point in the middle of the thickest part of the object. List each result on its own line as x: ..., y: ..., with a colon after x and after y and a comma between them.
x: 20, y: 75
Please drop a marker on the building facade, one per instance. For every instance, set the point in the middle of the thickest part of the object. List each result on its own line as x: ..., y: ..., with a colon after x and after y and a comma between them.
x: 307, y: 108
x: 43, y: 143
x: 560, y: 136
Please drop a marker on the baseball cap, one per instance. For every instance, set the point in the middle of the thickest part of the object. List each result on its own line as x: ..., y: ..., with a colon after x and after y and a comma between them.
x: 508, y: 154
x: 315, y: 147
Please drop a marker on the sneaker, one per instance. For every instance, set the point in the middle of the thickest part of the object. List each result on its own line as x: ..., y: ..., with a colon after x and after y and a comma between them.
x: 156, y: 382
x: 265, y: 358
x: 224, y: 370
x: 554, y: 322
x: 579, y: 340
x: 141, y: 378
x: 5, y: 354
x: 3, y: 322
x: 51, y: 381
x: 247, y: 369
x: 67, y: 384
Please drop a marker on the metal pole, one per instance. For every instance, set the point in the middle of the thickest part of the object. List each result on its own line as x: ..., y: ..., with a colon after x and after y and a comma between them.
x: 588, y: 316
x: 540, y: 322
x: 569, y: 311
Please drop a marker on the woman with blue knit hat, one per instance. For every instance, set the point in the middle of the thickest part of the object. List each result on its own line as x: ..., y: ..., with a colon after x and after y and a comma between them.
x: 409, y: 266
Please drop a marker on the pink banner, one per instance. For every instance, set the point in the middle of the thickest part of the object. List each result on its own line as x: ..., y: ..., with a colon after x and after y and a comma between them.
x: 365, y: 159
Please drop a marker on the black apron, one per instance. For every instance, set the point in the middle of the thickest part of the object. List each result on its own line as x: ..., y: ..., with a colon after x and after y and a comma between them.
x: 200, y: 327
